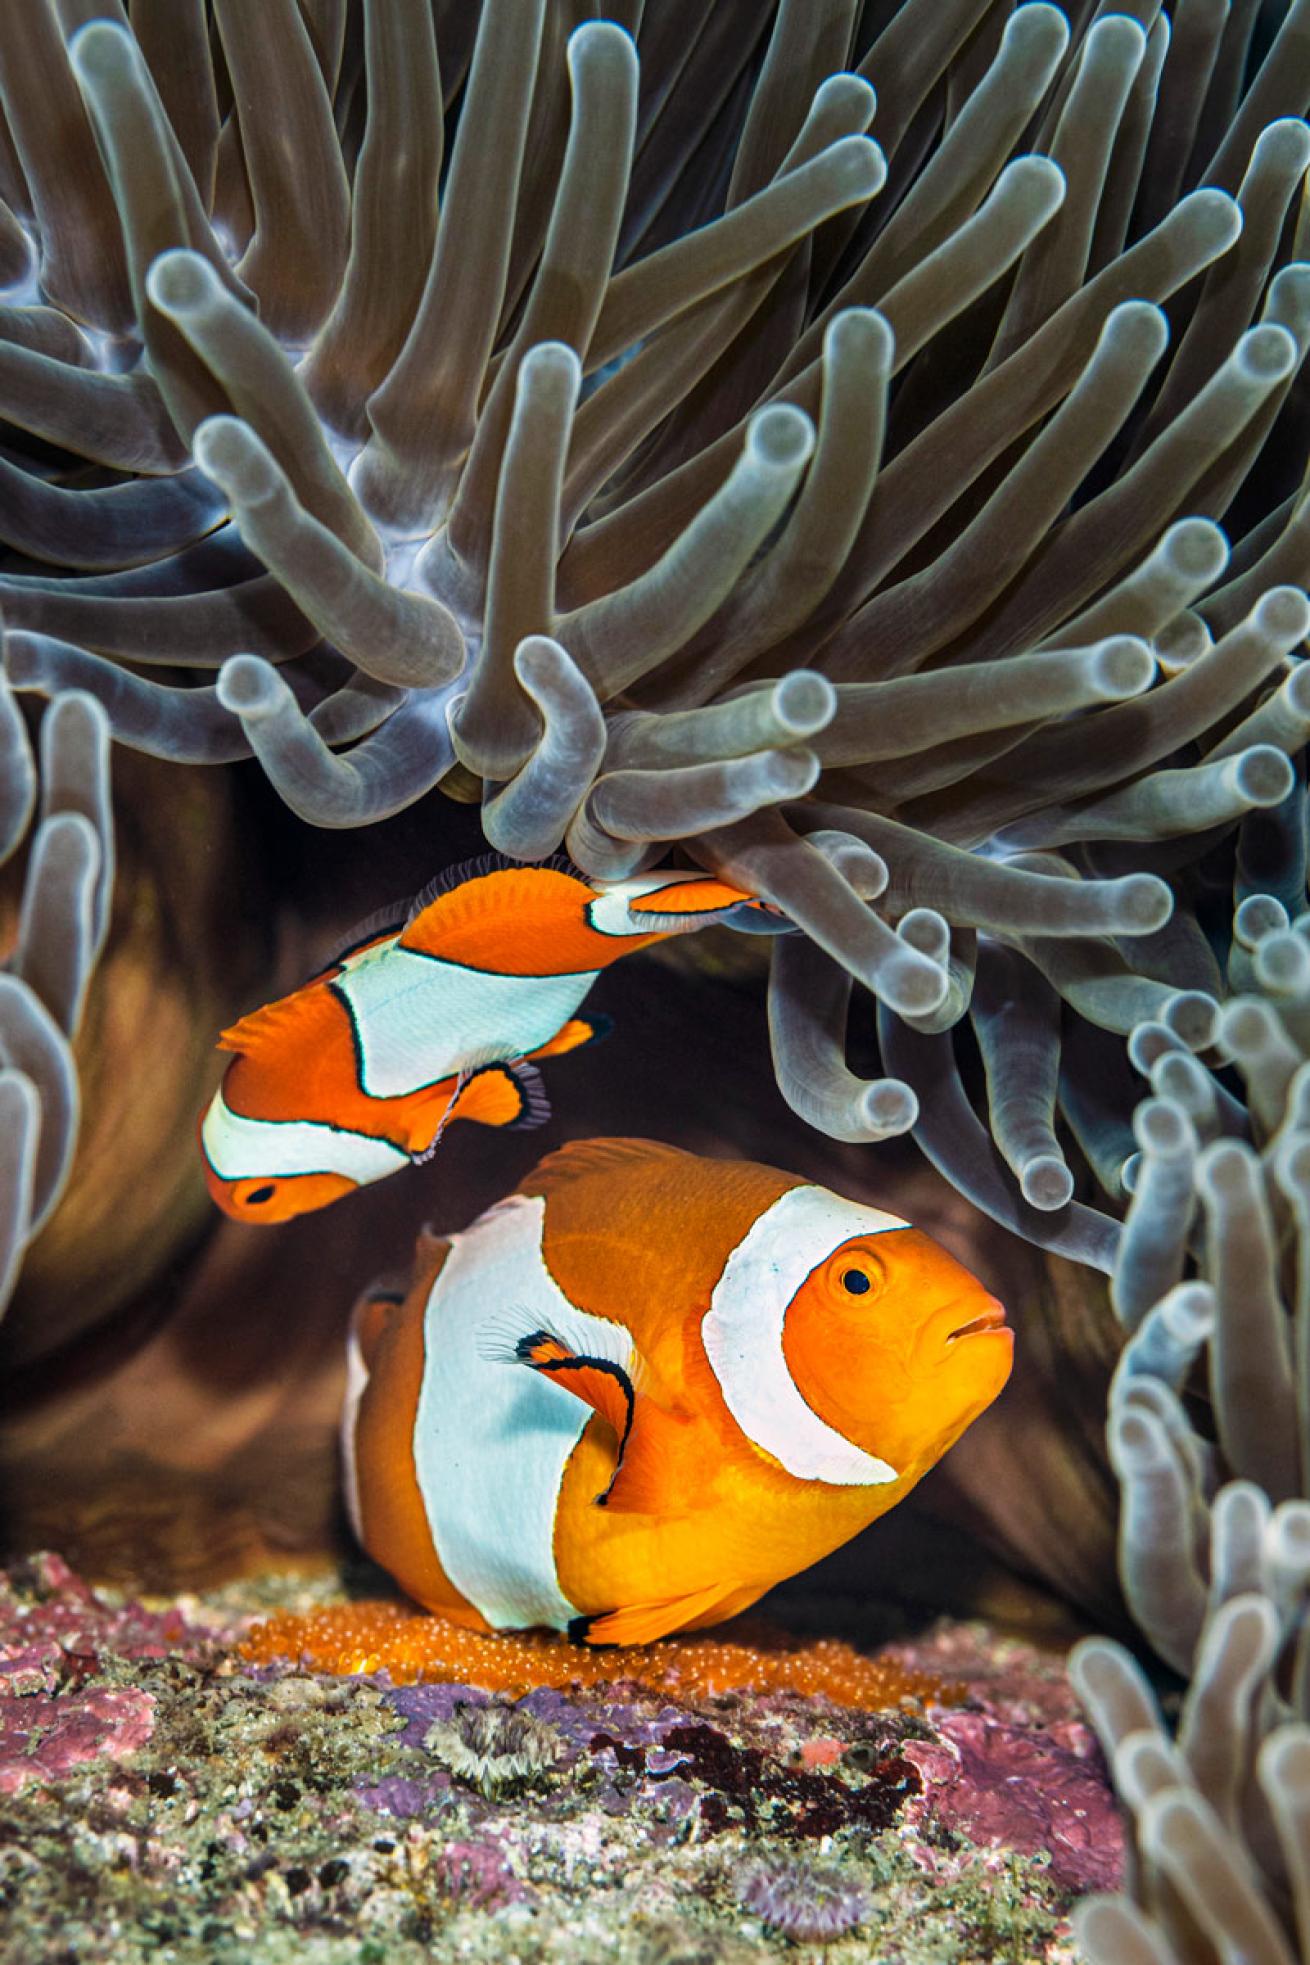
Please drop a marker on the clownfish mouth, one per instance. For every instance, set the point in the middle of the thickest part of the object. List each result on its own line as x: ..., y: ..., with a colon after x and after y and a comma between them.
x: 992, y: 1318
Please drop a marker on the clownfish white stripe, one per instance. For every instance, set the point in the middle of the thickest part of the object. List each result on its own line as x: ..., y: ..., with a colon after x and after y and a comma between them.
x: 609, y: 913
x: 491, y: 1440
x: 356, y: 1383
x: 418, y: 1019
x: 238, y: 1148
x: 743, y: 1329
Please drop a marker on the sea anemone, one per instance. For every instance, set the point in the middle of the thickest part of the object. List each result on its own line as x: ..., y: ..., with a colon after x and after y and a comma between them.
x: 1213, y: 1282
x: 661, y: 474
x: 497, y: 1749
x: 590, y: 419
x: 803, y: 1903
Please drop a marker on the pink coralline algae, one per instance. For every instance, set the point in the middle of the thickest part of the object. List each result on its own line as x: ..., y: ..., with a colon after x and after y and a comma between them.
x: 1033, y: 1791
x: 477, y: 1874
x: 43, y: 1737
x: 54, y: 1633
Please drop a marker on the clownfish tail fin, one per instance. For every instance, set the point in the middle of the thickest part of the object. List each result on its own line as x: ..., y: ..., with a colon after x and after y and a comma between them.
x: 699, y: 901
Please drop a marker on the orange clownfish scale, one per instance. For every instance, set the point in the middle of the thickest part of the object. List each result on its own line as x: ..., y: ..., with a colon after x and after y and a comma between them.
x: 646, y: 1387
x: 425, y: 1020
x: 348, y: 1638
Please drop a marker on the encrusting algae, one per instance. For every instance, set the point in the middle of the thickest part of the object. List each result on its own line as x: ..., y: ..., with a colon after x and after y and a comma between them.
x: 354, y: 1638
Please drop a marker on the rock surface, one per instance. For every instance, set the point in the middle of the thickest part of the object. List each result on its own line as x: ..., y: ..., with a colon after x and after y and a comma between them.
x: 161, y: 1798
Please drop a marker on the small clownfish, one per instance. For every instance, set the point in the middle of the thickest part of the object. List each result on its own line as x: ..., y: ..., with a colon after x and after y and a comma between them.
x: 431, y: 1013
x: 647, y: 1386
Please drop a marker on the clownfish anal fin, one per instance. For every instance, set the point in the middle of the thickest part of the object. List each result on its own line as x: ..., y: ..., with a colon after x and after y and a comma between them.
x: 642, y: 1623
x: 572, y: 1035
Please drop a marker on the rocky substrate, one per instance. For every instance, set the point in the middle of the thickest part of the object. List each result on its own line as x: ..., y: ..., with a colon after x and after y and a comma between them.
x: 164, y: 1798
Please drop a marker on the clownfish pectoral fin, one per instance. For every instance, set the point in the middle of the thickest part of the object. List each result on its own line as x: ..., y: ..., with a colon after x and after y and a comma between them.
x: 642, y: 1623
x: 618, y: 1391
x: 501, y: 1095
x: 573, y: 1035
x: 601, y: 1383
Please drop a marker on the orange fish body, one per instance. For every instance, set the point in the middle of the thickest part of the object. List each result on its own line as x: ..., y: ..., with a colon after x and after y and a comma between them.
x: 426, y: 1019
x: 647, y: 1386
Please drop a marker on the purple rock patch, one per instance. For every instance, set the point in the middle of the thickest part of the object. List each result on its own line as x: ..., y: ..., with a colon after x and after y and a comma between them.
x: 1027, y: 1790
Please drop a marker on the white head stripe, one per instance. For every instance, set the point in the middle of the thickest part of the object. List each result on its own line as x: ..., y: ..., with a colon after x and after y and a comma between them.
x: 492, y: 1438
x: 743, y: 1328
x: 418, y: 1019
x: 238, y: 1148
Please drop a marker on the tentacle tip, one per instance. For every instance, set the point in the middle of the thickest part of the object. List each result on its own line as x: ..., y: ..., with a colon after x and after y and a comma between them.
x: 101, y: 50
x: 1046, y: 1183
x: 249, y: 686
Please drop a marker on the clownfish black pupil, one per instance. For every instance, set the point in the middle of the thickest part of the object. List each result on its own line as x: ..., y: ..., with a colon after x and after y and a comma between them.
x: 259, y: 1194
x: 855, y: 1282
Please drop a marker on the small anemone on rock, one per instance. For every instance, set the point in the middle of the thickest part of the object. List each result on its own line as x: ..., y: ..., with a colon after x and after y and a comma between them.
x: 497, y: 1749
x: 803, y: 1901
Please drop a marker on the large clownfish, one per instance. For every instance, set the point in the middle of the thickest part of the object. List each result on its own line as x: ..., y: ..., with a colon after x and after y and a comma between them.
x: 431, y: 1013
x: 647, y: 1386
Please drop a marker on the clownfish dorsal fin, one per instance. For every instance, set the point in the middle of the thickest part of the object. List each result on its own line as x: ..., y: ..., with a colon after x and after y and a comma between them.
x: 270, y: 1026
x: 484, y: 911
x: 383, y: 921
x: 615, y: 1381
x: 586, y: 1157
x: 452, y: 878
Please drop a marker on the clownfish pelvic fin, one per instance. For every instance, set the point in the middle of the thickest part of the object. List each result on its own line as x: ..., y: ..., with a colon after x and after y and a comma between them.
x: 510, y: 1095
x: 642, y: 1623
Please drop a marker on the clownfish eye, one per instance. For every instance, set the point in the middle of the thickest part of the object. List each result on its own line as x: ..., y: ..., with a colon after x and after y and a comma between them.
x: 259, y: 1194
x: 855, y: 1282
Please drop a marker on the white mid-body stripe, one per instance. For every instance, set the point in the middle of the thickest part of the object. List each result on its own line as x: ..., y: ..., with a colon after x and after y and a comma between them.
x: 238, y: 1148
x: 418, y: 1019
x: 492, y: 1437
x: 743, y: 1331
